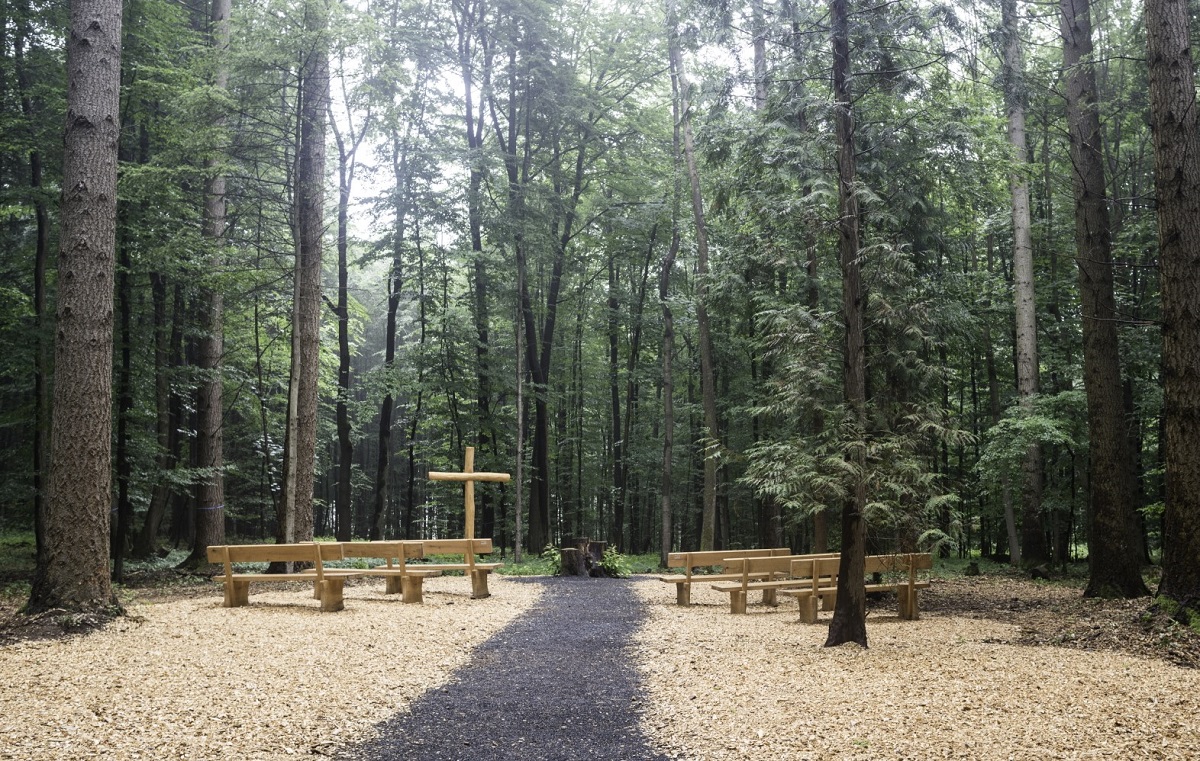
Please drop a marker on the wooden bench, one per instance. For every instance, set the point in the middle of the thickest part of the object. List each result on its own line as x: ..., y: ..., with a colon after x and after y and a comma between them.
x: 400, y: 577
x: 769, y: 574
x: 689, y: 561
x: 824, y: 574
x: 468, y: 548
x: 237, y: 584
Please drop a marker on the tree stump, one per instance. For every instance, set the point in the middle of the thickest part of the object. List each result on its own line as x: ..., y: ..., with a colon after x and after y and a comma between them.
x: 582, y: 557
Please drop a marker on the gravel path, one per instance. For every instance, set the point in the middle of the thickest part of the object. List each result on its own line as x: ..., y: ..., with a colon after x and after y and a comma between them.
x: 557, y: 683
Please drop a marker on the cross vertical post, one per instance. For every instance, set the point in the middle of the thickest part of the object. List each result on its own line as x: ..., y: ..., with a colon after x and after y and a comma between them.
x: 468, y: 477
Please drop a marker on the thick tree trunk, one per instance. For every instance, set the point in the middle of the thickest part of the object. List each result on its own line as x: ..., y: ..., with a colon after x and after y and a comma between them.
x: 74, y: 572
x: 849, y: 622
x: 1177, y: 184
x: 1034, y: 550
x: 1114, y: 561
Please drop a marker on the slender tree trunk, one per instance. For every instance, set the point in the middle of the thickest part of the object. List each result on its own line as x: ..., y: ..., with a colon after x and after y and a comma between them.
x: 1033, y: 538
x: 74, y: 572
x: 708, y: 392
x: 124, y: 468
x: 668, y: 388
x: 849, y: 622
x: 43, y: 349
x: 210, y: 492
x: 1114, y: 562
x: 1010, y: 518
x: 347, y: 153
x: 617, y: 530
x: 1177, y: 185
x: 310, y: 183
x: 144, y: 543
x: 471, y: 18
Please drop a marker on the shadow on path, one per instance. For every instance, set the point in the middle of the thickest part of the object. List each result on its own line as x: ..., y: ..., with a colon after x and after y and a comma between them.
x: 557, y: 683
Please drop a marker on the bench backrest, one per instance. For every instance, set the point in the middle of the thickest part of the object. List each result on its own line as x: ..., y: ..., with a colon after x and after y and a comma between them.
x: 780, y: 565
x: 300, y: 552
x: 909, y: 564
x: 457, y: 546
x: 389, y: 551
x: 690, y: 560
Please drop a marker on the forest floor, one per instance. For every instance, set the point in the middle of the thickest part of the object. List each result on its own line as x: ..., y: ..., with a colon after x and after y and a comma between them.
x: 997, y: 666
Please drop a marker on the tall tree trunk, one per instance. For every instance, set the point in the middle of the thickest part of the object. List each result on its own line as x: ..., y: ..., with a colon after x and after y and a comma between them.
x: 124, y: 391
x: 347, y: 153
x: 210, y: 491
x: 1010, y: 518
x: 74, y: 572
x: 708, y: 391
x: 470, y: 21
x: 1114, y: 563
x: 43, y: 348
x: 299, y: 467
x: 1177, y: 185
x: 849, y: 622
x: 1034, y: 550
x: 144, y: 543
x: 616, y: 533
x: 668, y: 385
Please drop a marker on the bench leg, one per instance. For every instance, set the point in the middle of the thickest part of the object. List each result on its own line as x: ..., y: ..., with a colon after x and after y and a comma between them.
x: 237, y: 594
x: 392, y: 585
x: 411, y: 587
x: 769, y: 598
x: 808, y: 609
x: 683, y: 593
x: 737, y: 602
x: 317, y: 590
x: 908, y: 603
x: 828, y: 601
x: 479, y: 588
x: 331, y: 595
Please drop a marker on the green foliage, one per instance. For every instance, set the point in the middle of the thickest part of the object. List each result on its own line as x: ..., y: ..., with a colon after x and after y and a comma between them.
x: 615, y: 564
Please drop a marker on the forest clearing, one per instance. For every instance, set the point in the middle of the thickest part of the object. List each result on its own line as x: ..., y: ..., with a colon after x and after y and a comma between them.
x: 882, y: 289
x: 997, y: 666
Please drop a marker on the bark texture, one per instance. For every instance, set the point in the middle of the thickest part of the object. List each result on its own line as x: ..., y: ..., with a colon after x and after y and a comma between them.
x: 210, y: 492
x: 849, y: 622
x: 73, y: 572
x: 708, y: 391
x: 1177, y: 183
x: 1114, y: 561
x: 297, y: 523
x: 1033, y: 550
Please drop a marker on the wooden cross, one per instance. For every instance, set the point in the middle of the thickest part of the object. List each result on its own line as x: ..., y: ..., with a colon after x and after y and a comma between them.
x: 469, y: 476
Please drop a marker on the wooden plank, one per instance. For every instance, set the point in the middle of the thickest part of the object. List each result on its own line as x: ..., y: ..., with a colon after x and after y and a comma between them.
x: 456, y: 546
x: 384, y: 550
x: 716, y: 557
x: 266, y: 553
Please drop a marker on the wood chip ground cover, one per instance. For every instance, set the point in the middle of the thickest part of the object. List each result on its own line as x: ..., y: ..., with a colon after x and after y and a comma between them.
x: 947, y: 686
x: 980, y: 676
x: 188, y: 679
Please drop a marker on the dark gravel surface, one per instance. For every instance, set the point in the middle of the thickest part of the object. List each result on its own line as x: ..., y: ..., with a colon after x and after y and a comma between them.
x: 555, y: 684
